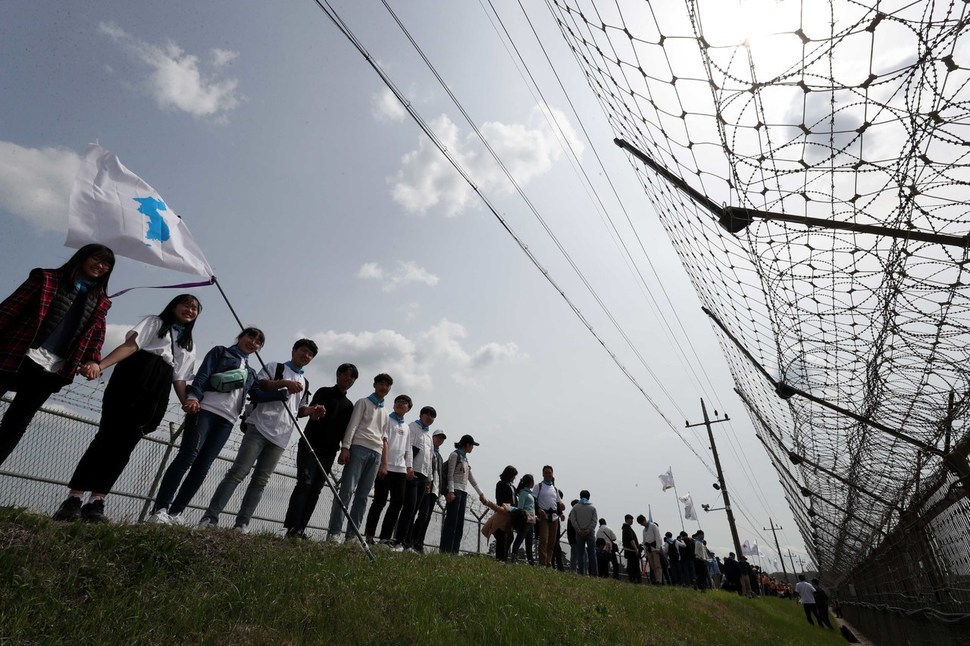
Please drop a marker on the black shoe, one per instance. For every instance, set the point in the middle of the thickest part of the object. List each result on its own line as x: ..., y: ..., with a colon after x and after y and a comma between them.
x: 293, y: 532
x: 69, y: 511
x: 93, y: 512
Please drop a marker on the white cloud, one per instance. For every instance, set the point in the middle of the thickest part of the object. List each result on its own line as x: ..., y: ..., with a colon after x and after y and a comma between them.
x: 427, y: 179
x: 407, y: 272
x: 176, y: 81
x: 222, y: 57
x: 35, y: 183
x: 411, y: 361
x: 385, y: 106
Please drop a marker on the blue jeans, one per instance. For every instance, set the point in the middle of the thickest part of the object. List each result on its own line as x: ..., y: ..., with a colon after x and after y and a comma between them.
x: 205, y: 435
x: 256, y: 450
x: 357, y: 480
x: 585, y: 551
x: 453, y: 525
x: 525, y: 536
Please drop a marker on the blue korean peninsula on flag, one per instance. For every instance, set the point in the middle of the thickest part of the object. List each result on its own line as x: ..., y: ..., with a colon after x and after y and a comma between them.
x: 113, y: 206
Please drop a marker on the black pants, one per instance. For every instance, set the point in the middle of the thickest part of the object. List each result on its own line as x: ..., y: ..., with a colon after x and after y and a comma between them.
x: 393, y: 485
x: 310, y: 481
x: 809, y: 609
x: 34, y: 386
x: 822, y: 614
x: 413, y: 491
x: 134, y: 404
x: 503, y: 541
x: 419, y: 530
x: 633, y: 568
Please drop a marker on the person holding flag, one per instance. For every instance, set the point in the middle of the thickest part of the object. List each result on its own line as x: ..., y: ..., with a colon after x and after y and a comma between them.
x: 157, y: 354
x: 51, y: 328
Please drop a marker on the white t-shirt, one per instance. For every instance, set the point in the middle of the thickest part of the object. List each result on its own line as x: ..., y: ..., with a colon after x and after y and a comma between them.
x: 271, y: 418
x: 806, y: 592
x: 166, y: 347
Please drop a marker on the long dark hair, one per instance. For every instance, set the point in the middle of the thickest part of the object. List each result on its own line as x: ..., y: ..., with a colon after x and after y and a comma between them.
x: 508, y: 474
x: 526, y: 482
x: 72, y: 268
x: 168, y: 320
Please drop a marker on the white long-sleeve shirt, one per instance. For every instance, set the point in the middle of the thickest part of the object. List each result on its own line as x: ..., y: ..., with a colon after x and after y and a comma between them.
x: 367, y: 427
x: 399, y: 453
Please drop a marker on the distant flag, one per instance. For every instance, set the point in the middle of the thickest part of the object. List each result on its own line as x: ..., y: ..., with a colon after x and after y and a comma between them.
x: 113, y: 206
x: 688, y: 507
x: 755, y: 550
x: 667, y: 479
x: 649, y: 514
x: 745, y: 549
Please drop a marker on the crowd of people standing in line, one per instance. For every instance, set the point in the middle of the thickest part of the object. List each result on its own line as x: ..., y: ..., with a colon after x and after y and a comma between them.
x: 52, y: 328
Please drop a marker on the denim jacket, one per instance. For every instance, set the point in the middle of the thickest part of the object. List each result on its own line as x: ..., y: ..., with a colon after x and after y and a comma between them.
x: 220, y: 359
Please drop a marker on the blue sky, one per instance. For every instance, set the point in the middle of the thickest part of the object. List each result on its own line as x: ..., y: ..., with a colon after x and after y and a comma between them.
x: 325, y: 211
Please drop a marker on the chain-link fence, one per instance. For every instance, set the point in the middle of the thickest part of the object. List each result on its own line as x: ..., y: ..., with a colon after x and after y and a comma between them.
x: 36, y: 474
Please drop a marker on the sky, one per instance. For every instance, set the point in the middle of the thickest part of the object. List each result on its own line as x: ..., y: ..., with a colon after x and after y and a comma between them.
x: 325, y: 211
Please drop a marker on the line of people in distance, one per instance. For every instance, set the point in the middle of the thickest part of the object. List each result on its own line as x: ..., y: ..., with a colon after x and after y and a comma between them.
x: 52, y: 328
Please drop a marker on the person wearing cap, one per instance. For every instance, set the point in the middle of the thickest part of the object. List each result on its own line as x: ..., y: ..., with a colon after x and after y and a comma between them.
x: 433, y: 489
x: 458, y: 477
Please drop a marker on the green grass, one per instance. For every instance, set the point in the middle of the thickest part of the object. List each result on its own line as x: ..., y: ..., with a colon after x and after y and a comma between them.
x: 80, y: 583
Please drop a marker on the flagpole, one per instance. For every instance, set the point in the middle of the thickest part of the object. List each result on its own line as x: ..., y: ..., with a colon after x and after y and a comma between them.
x: 679, y: 512
x: 326, y: 474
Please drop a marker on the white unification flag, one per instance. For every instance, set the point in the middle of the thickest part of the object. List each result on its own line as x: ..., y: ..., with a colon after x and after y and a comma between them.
x: 113, y: 206
x: 745, y: 549
x: 688, y: 507
x: 667, y: 479
x: 755, y: 550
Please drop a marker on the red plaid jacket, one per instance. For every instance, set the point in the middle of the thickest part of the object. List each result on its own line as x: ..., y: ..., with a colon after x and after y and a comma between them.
x: 22, y: 313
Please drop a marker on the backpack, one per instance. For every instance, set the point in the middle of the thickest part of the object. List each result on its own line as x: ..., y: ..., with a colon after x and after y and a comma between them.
x: 243, y: 424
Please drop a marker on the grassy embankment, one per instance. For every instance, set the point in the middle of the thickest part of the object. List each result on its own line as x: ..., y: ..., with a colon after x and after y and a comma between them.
x: 147, y: 584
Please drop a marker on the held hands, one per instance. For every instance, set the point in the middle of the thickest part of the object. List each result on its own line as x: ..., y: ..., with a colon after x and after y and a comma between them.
x: 191, y: 407
x: 316, y: 412
x: 450, y: 497
x: 90, y: 370
x: 344, y: 456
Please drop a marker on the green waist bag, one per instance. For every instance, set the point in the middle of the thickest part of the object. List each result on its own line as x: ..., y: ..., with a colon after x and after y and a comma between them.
x: 228, y: 381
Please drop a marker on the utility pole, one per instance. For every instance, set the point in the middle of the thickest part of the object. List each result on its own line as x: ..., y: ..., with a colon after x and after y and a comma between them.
x: 781, y: 556
x: 792, y: 559
x: 720, y: 474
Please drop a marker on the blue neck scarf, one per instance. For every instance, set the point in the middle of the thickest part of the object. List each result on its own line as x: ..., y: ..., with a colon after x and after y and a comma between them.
x: 374, y: 400
x: 421, y: 424
x: 397, y: 418
x: 547, y: 483
x: 584, y: 501
x: 179, y: 330
x: 461, y: 453
x: 82, y: 286
x: 289, y: 364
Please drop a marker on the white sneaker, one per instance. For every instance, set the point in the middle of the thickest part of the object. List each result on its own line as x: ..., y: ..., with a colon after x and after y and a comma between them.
x: 207, y: 523
x: 160, y: 517
x: 242, y: 529
x: 178, y: 519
